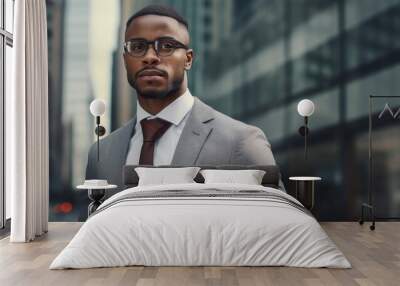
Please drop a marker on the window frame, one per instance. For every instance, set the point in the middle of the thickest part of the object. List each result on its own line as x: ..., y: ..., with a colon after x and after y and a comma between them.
x: 6, y: 39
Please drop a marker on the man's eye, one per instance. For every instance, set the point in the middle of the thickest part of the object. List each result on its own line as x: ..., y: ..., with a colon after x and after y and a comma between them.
x: 137, y: 46
x: 166, y: 45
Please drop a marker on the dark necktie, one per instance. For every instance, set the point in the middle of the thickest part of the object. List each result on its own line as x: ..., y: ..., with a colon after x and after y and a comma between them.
x: 152, y: 130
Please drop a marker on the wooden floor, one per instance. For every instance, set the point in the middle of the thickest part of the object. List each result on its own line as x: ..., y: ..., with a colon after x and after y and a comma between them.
x: 374, y: 255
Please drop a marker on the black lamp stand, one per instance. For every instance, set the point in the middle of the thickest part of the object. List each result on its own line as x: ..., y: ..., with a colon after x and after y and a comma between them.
x: 304, y: 131
x: 100, y: 131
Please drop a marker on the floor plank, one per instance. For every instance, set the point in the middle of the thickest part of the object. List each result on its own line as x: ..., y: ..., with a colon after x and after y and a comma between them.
x: 374, y: 255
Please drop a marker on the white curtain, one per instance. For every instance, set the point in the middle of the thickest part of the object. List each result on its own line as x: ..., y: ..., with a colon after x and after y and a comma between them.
x: 27, y: 123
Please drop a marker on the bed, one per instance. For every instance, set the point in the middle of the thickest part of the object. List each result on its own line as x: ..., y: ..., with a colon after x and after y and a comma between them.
x: 201, y: 224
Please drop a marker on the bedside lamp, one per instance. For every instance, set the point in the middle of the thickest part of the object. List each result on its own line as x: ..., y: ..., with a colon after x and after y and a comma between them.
x: 97, y: 108
x: 305, y: 108
x: 305, y: 185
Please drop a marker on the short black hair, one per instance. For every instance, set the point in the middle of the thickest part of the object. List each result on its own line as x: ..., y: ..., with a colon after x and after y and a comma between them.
x: 160, y: 10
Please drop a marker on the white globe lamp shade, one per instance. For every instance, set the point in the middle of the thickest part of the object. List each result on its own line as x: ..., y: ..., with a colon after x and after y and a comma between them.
x: 305, y: 107
x: 97, y: 107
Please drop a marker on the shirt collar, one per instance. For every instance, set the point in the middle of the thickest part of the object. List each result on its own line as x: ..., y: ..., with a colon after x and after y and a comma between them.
x: 174, y: 112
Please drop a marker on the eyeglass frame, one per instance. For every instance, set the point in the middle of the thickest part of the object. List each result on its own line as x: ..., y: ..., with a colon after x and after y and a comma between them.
x: 178, y: 45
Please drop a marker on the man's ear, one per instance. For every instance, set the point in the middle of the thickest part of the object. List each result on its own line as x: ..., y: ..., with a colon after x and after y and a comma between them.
x: 123, y: 58
x: 189, y: 59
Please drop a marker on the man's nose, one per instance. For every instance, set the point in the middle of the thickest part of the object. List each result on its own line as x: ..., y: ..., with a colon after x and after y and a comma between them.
x: 151, y: 57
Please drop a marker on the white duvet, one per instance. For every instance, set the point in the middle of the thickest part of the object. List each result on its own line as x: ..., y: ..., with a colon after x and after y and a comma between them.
x: 182, y: 231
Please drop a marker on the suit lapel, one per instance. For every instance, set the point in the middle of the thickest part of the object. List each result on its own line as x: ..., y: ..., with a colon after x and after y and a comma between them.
x: 194, y: 134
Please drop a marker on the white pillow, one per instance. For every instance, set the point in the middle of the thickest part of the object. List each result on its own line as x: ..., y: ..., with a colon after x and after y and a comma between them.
x: 249, y: 177
x: 162, y: 176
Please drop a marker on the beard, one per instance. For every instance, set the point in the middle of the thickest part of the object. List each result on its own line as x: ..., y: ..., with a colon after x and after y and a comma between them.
x: 171, y: 89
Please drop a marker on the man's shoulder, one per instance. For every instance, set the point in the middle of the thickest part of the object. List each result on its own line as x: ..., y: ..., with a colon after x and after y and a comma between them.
x: 117, y: 133
x: 248, y: 143
x: 225, y: 121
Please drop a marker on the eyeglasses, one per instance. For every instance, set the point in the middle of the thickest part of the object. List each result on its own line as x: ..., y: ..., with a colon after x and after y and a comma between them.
x: 163, y: 47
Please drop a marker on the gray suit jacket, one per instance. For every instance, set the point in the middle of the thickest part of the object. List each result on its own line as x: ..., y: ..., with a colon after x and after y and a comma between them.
x: 208, y: 138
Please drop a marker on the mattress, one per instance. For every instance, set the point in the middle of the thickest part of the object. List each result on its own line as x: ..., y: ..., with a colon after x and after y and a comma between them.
x: 201, y: 225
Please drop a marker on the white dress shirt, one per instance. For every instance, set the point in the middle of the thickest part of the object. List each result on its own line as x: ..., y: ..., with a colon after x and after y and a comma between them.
x: 177, y: 113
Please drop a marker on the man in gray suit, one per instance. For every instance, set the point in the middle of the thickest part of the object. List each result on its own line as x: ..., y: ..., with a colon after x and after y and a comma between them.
x: 157, y: 57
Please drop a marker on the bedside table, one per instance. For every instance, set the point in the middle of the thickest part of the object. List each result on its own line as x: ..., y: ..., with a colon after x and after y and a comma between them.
x: 305, y: 187
x: 96, y: 194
